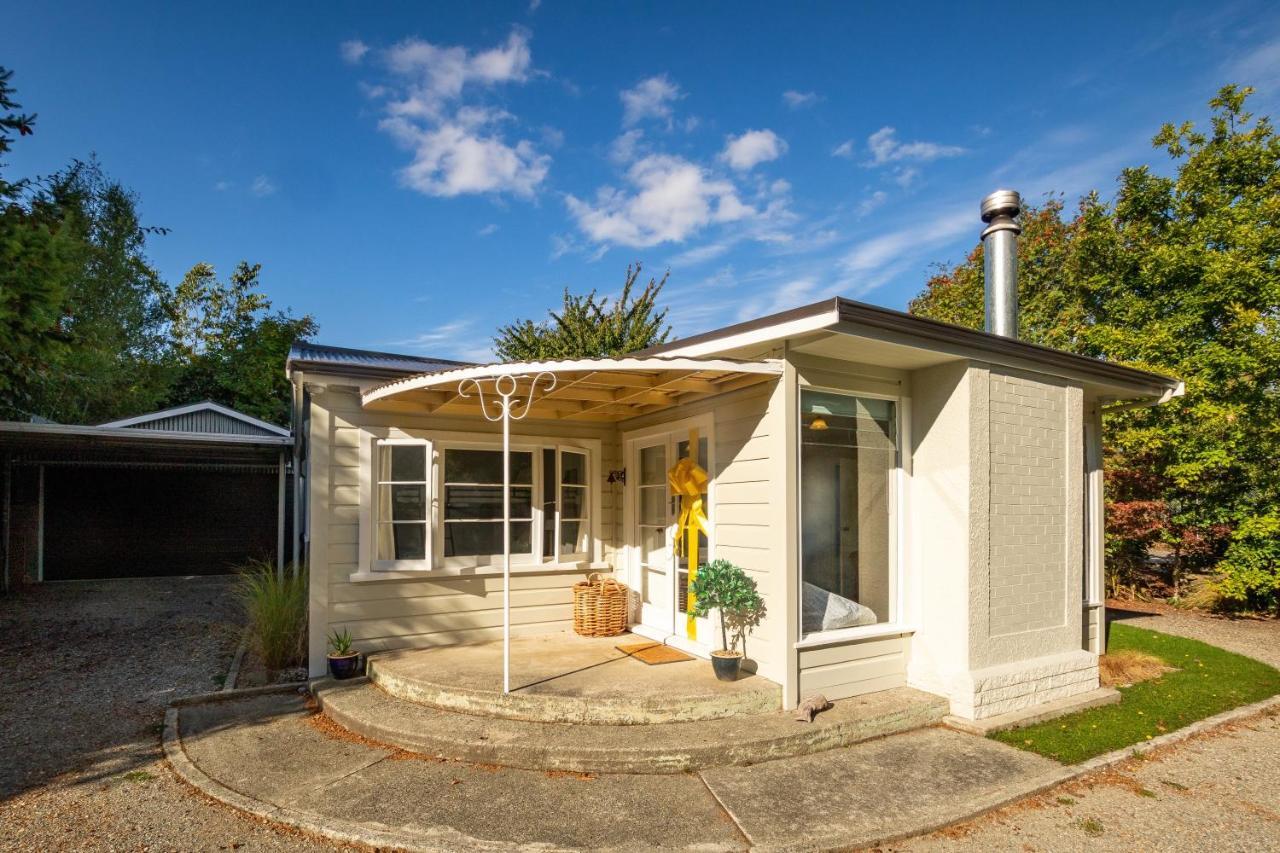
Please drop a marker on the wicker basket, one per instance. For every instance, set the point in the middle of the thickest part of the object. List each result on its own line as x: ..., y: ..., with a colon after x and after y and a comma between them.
x: 600, y: 607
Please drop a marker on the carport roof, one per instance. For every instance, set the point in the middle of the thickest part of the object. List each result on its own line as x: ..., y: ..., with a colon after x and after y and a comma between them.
x: 66, y: 442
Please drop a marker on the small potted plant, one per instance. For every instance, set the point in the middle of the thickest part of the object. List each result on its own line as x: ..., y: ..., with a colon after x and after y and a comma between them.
x: 722, y: 586
x: 344, y: 661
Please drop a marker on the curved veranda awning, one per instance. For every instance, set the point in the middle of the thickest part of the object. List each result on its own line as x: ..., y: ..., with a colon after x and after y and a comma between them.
x: 592, y: 389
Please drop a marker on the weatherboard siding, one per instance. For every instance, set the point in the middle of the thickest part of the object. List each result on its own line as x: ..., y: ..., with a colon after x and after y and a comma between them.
x: 437, y: 609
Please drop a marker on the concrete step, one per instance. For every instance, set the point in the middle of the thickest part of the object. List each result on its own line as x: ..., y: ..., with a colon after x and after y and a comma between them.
x: 568, y: 681
x: 649, y: 748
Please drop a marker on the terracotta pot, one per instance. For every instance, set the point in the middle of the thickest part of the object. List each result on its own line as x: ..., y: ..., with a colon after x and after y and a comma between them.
x: 726, y: 664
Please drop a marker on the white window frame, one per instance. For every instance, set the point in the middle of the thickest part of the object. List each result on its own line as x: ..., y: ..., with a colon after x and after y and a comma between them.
x: 370, y: 567
x: 473, y: 561
x: 427, y: 482
x: 895, y: 622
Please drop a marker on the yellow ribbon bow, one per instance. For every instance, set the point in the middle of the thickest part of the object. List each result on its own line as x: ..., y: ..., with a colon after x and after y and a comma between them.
x: 689, y: 481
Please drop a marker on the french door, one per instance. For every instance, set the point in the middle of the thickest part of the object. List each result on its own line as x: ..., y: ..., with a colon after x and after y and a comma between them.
x: 659, y: 575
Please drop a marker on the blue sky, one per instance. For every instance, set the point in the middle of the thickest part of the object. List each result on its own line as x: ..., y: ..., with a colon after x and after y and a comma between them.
x: 415, y: 174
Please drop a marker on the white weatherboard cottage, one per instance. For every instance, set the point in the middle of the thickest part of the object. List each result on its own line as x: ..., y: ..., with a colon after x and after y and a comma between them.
x: 920, y: 504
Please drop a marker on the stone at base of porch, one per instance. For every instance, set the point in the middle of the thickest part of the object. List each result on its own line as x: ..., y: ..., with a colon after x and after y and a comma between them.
x: 1007, y: 688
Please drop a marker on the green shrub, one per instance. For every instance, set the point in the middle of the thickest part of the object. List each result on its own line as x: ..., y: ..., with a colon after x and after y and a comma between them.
x: 720, y: 585
x: 1249, y: 573
x: 276, y: 610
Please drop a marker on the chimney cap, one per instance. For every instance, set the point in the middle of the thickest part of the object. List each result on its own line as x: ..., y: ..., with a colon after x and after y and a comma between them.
x: 1001, y: 202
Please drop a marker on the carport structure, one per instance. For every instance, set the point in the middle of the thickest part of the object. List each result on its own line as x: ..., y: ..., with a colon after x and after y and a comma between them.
x: 191, y: 490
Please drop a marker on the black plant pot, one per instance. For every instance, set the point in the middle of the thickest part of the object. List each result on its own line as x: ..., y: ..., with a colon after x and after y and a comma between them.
x: 344, y: 667
x: 727, y: 665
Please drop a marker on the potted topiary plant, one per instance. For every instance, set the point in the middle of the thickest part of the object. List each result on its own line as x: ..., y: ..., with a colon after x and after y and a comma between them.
x: 344, y: 661
x: 722, y: 586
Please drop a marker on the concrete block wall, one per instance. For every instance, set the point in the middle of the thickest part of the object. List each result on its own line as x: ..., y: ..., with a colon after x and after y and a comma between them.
x: 1028, y: 504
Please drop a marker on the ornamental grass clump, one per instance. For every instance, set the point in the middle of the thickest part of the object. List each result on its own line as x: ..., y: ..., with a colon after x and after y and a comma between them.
x: 722, y: 586
x: 275, y: 606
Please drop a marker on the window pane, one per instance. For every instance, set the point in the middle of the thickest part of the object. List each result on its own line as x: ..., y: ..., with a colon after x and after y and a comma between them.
x: 472, y: 539
x: 402, y: 503
x: 848, y: 455
x: 485, y: 466
x: 682, y: 450
x: 402, y: 541
x: 486, y: 502
x: 653, y: 505
x: 408, y: 462
x: 653, y: 465
x: 573, y: 538
x: 573, y: 501
x: 573, y: 468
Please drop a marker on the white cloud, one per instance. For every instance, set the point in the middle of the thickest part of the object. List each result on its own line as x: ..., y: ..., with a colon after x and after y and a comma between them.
x: 906, y: 176
x: 459, y: 147
x: 844, y: 149
x: 533, y: 5
x: 886, y: 148
x: 440, y: 74
x: 872, y: 201
x: 672, y: 199
x: 874, y: 261
x: 800, y: 100
x: 490, y: 229
x: 753, y: 148
x: 465, y: 155
x: 447, y: 333
x: 263, y: 186
x: 1259, y: 67
x: 353, y: 51
x: 650, y: 98
x: 222, y: 186
x: 626, y: 146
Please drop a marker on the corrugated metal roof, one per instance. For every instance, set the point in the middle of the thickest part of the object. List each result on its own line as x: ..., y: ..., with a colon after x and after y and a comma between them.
x: 305, y: 354
x: 206, y: 417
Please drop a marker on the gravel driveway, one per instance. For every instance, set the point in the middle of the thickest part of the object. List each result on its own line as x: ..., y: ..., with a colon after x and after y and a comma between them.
x: 91, y: 667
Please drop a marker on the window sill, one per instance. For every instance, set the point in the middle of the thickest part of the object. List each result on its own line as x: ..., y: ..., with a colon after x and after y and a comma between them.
x: 853, y: 635
x: 473, y: 572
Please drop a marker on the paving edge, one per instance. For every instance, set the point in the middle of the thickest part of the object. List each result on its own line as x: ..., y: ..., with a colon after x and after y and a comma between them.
x: 1046, y: 781
x: 241, y: 693
x: 450, y: 839
x: 446, y: 840
x: 237, y: 660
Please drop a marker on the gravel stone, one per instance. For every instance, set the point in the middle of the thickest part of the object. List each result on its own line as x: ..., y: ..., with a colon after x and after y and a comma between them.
x: 92, y: 666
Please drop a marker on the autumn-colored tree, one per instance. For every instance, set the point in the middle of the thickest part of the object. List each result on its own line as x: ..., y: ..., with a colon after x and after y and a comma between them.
x: 1180, y: 275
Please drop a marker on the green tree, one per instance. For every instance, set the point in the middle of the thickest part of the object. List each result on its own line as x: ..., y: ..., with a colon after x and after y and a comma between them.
x: 113, y: 322
x: 37, y: 259
x: 1179, y: 274
x: 589, y: 326
x: 228, y: 343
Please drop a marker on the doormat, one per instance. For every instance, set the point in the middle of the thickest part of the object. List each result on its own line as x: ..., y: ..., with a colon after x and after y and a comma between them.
x: 652, y: 653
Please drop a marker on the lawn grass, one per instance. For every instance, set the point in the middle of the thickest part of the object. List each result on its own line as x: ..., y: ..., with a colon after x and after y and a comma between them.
x: 1208, y: 680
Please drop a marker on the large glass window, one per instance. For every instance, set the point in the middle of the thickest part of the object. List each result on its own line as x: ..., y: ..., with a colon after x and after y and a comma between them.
x: 403, y: 502
x: 848, y: 457
x: 473, y: 502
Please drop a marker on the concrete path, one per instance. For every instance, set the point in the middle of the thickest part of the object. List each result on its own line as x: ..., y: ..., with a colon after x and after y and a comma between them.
x: 1218, y: 791
x: 278, y: 752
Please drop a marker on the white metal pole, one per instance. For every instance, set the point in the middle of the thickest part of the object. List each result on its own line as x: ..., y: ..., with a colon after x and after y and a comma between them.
x: 506, y: 543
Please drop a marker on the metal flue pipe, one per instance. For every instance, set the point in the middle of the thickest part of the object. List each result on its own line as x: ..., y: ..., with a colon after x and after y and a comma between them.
x: 1000, y: 261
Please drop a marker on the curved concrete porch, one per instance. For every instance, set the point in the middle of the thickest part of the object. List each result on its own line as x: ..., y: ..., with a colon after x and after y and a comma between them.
x: 564, y: 678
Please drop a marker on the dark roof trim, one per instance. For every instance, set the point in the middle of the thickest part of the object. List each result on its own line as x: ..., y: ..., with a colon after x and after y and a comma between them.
x: 885, y: 319
x: 365, y: 364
